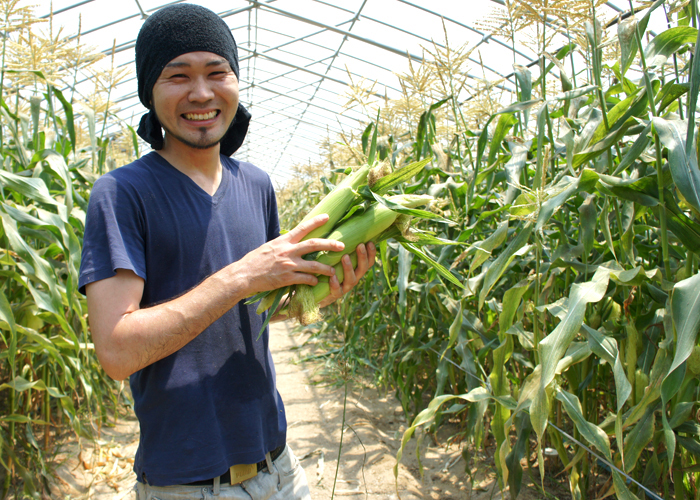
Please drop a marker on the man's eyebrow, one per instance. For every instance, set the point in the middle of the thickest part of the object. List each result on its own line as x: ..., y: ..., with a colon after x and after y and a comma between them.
x: 183, y: 64
x: 216, y: 62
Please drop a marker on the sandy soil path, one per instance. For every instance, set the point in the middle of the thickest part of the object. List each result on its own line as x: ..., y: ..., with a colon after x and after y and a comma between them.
x: 374, y: 426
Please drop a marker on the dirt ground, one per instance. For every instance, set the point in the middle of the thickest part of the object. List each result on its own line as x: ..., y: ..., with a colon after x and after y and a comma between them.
x: 374, y: 427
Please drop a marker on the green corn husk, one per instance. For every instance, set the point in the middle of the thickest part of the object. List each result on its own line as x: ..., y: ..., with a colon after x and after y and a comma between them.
x: 337, y: 202
x: 269, y: 299
x: 323, y: 287
x: 369, y: 225
x: 372, y: 225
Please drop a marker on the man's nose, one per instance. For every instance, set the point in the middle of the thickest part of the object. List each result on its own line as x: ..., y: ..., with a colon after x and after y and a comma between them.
x: 201, y: 90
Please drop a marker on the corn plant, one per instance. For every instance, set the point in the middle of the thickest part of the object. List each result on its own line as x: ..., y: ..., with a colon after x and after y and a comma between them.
x: 578, y: 214
x: 50, y: 380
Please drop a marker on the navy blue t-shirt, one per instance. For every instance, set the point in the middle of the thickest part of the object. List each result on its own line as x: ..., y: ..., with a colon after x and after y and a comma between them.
x: 214, y: 403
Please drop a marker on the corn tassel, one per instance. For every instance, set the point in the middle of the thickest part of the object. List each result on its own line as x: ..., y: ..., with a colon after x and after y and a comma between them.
x: 337, y: 202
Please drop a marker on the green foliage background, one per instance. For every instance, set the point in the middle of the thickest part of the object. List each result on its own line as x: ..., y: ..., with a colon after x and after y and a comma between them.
x: 54, y: 144
x: 577, y: 210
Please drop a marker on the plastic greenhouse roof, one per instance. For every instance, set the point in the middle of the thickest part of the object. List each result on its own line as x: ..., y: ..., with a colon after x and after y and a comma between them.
x: 297, y: 58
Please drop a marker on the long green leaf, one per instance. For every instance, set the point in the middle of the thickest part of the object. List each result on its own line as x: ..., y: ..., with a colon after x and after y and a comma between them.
x: 399, y: 176
x: 663, y: 45
x: 442, y: 270
x: 684, y: 167
x: 496, y: 270
x: 553, y: 347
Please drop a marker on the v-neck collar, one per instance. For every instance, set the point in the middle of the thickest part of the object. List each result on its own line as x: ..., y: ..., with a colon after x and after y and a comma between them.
x: 196, y: 188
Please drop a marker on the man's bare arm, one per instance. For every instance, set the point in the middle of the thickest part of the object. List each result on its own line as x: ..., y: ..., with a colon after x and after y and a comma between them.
x: 128, y: 338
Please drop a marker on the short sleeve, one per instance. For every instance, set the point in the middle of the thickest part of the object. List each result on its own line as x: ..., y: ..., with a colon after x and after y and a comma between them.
x: 273, y: 227
x: 114, y: 236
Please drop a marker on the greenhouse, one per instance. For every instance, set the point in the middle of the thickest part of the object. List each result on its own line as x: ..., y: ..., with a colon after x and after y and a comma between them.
x: 516, y: 186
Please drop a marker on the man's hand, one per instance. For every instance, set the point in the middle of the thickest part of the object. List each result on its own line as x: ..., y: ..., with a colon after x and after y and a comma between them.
x: 366, y: 255
x: 279, y: 263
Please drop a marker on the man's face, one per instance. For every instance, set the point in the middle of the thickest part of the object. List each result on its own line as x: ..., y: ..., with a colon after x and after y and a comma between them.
x: 195, y: 99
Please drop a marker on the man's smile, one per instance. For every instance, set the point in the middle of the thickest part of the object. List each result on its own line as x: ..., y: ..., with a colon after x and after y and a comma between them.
x: 201, y: 116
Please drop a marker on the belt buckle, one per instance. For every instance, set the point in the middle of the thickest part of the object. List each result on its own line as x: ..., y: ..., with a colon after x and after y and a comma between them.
x: 242, y: 472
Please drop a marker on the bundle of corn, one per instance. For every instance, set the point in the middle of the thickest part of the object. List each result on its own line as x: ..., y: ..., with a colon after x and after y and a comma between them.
x: 371, y: 225
x: 358, y: 213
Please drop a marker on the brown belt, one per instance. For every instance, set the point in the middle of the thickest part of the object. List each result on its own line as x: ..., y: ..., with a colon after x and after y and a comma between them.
x: 225, y: 478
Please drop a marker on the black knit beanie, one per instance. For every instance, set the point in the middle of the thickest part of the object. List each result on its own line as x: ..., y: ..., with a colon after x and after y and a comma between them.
x: 169, y: 33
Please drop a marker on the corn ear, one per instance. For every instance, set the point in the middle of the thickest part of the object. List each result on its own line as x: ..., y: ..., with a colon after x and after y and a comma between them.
x: 359, y: 229
x: 337, y: 202
x: 323, y: 287
x: 266, y: 303
x: 367, y: 226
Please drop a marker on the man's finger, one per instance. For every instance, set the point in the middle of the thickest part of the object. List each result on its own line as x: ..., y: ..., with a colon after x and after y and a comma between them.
x: 319, y: 245
x: 304, y: 228
x: 349, y: 278
x: 372, y: 253
x: 313, y: 267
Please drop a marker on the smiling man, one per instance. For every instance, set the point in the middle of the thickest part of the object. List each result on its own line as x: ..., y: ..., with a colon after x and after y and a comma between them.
x: 174, y: 243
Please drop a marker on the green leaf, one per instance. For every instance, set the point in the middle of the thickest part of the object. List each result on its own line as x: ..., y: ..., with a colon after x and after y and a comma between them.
x: 455, y: 328
x: 8, y: 317
x: 21, y: 384
x: 21, y: 419
x: 484, y: 248
x: 524, y: 78
x: 413, y: 212
x: 687, y: 230
x: 573, y: 94
x: 442, y: 271
x: 399, y: 176
x: 505, y: 123
x: 558, y: 194
x: 589, y: 431
x: 514, y: 168
x: 134, y: 140
x: 424, y: 417
x: 670, y: 94
x: 31, y: 187
x: 667, y: 42
x: 685, y: 311
x: 57, y: 164
x: 639, y: 437
x: 70, y: 120
x: 511, y: 301
x: 635, y: 151
x: 684, y: 167
x: 693, y: 98
x: 372, y: 155
x: 588, y: 217
x: 499, y: 266
x: 554, y: 345
x: 634, y: 105
x: 405, y: 258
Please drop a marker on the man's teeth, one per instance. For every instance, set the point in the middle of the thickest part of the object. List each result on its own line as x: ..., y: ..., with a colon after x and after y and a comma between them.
x: 196, y: 117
